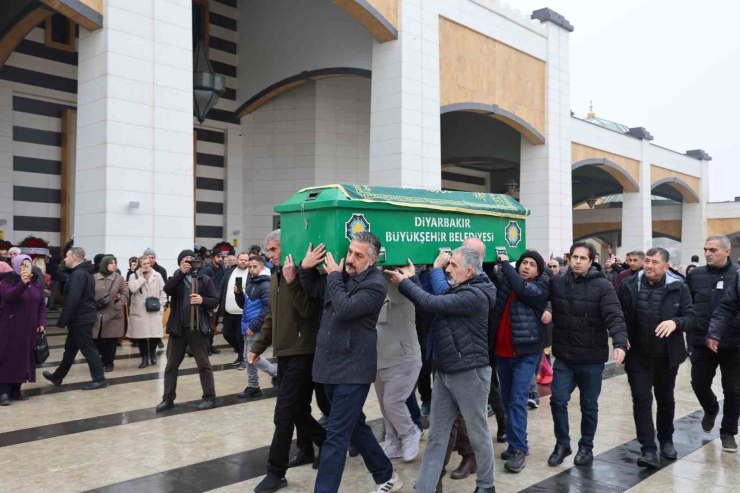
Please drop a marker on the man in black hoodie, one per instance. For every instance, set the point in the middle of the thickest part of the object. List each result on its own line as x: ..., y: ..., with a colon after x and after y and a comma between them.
x: 79, y: 316
x: 585, y: 312
x: 708, y: 285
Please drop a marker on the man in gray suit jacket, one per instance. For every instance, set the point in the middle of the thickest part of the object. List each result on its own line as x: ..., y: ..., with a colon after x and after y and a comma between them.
x: 346, y: 356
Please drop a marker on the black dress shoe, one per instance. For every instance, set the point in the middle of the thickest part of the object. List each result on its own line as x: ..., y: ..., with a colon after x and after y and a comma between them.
x: 250, y: 393
x: 558, y: 455
x: 353, y: 451
x: 481, y: 489
x: 215, y: 350
x: 95, y: 385
x: 649, y: 459
x: 584, y: 457
x: 20, y: 396
x: 300, y: 459
x: 153, y: 357
x: 108, y: 368
x: 165, y: 405
x: 4, y: 400
x: 56, y: 382
x: 144, y: 363
x: 270, y: 484
x: 515, y: 463
x: 207, y: 404
x: 668, y: 451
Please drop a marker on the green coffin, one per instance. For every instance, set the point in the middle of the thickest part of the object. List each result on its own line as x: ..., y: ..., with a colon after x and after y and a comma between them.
x: 411, y: 224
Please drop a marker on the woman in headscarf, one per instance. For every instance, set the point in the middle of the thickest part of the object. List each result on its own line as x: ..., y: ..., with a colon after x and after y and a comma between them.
x: 145, y: 325
x: 22, y: 315
x: 111, y: 319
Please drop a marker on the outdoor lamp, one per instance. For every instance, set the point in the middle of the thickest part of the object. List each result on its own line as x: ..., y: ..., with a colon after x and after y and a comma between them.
x: 208, y: 86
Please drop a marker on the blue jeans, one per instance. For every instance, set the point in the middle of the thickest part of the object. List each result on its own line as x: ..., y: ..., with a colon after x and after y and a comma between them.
x: 347, y: 423
x: 566, y: 377
x: 514, y: 376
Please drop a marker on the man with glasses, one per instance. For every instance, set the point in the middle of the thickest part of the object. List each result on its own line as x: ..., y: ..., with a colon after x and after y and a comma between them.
x: 555, y: 264
x: 193, y: 296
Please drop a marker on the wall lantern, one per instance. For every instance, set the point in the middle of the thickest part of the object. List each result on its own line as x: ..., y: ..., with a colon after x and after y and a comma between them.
x: 208, y: 86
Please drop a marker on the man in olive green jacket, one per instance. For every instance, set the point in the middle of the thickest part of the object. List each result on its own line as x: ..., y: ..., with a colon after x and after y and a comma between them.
x: 290, y: 327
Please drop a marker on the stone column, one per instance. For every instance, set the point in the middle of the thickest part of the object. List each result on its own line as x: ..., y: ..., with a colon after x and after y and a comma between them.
x: 545, y: 176
x: 135, y: 131
x: 405, y: 120
x: 694, y: 216
x: 637, y: 210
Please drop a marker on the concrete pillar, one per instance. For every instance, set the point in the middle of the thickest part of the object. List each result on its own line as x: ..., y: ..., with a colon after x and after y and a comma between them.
x: 694, y: 220
x: 545, y: 180
x: 405, y: 120
x: 637, y: 210
x: 135, y: 131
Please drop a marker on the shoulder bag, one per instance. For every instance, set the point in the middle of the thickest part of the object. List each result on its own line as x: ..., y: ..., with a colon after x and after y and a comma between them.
x: 103, y: 302
x: 151, y: 303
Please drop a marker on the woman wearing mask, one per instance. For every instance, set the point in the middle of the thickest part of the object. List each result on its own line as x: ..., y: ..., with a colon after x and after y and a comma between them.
x: 22, y: 315
x: 145, y: 325
x: 111, y: 318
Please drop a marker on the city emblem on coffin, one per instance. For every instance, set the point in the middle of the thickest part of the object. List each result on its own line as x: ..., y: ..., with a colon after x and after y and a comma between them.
x: 513, y: 233
x: 356, y: 224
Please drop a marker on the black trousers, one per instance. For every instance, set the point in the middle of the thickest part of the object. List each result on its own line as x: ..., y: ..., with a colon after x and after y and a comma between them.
x: 176, y: 346
x: 494, y: 396
x: 293, y: 409
x: 321, y: 399
x: 648, y: 376
x: 107, y: 350
x: 12, y: 389
x: 232, y: 331
x: 148, y: 346
x: 424, y: 382
x: 80, y: 339
x: 704, y: 363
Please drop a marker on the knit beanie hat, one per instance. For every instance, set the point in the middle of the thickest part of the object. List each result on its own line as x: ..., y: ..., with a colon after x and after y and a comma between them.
x: 183, y: 254
x: 149, y: 251
x: 537, y: 259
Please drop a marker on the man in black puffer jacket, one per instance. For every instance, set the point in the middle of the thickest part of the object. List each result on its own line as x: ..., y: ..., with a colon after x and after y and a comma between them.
x: 78, y: 316
x: 460, y: 349
x: 710, y: 285
x: 516, y: 340
x: 584, y: 307
x: 658, y: 310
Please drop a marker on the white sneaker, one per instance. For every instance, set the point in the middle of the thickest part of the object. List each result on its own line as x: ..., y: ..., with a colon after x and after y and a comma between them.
x: 393, y: 484
x: 392, y: 450
x: 410, y: 447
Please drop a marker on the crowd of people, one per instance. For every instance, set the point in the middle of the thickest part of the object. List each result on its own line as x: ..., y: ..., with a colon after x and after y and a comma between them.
x: 473, y: 339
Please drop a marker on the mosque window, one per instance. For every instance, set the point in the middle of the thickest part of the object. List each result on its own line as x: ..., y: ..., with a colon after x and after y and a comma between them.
x: 61, y: 33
